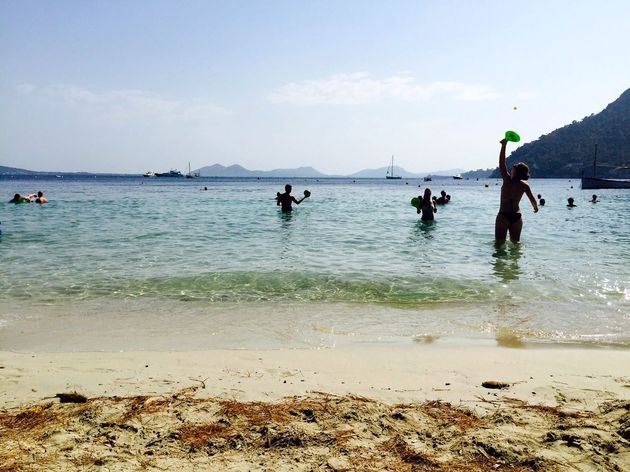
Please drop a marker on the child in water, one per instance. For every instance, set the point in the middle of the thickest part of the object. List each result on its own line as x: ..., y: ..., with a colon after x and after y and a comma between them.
x: 570, y: 203
x: 512, y: 190
x: 427, y: 207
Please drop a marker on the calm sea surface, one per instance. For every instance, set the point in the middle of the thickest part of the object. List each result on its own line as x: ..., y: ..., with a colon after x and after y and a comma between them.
x: 131, y: 263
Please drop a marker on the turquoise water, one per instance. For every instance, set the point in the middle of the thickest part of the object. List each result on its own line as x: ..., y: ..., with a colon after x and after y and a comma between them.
x: 354, y: 255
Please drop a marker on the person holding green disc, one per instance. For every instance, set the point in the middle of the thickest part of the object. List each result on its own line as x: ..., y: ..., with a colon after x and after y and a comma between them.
x: 285, y: 199
x: 514, y: 186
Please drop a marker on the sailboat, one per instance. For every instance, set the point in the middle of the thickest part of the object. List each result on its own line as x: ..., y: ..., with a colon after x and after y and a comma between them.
x: 192, y: 175
x: 390, y: 172
x: 594, y: 182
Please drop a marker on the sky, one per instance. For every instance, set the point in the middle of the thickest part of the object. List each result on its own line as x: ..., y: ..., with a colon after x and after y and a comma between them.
x: 114, y: 86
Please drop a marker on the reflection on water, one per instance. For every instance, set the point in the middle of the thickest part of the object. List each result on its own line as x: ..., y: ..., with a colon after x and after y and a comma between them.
x: 505, y: 261
x: 424, y: 230
x: 505, y: 338
x: 285, y: 233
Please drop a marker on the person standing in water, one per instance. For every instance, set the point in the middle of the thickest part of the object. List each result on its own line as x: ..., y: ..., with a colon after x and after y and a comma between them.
x: 427, y: 207
x: 285, y: 199
x: 514, y: 186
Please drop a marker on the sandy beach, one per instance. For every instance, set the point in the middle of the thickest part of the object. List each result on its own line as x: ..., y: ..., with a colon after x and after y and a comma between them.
x: 419, y: 407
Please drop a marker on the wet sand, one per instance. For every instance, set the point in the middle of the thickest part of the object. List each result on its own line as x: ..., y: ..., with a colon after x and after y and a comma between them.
x: 420, y: 407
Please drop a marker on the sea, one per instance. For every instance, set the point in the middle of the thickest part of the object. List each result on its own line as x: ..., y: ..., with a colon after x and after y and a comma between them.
x: 132, y: 263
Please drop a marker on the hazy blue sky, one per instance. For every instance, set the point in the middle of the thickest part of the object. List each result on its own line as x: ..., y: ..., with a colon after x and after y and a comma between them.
x: 338, y: 85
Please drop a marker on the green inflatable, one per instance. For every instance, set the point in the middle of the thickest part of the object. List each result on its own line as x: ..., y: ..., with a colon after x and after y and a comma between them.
x: 415, y: 202
x: 512, y: 136
x: 307, y: 193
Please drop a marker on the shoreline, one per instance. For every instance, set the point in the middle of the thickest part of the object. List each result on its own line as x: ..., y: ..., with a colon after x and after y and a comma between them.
x: 390, y: 373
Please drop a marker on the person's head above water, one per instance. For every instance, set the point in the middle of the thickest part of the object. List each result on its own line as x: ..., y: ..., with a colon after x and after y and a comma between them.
x: 570, y: 202
x: 542, y: 202
x: 539, y: 196
x: 520, y: 171
x: 40, y: 194
x: 443, y: 193
x: 427, y: 194
x: 288, y: 188
x: 594, y: 199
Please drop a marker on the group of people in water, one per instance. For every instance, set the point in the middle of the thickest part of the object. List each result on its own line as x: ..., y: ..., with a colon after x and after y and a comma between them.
x: 30, y: 198
x: 509, y: 220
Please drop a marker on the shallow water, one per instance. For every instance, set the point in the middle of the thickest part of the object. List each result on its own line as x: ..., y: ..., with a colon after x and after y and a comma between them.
x: 353, y: 260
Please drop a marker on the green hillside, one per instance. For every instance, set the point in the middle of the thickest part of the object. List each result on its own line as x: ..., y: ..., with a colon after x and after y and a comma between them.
x: 563, y: 153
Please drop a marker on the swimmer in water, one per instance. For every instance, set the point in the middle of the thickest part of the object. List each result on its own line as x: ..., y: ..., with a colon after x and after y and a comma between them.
x: 594, y: 199
x: 514, y: 186
x: 570, y: 203
x: 40, y: 198
x: 442, y: 198
x: 17, y: 198
x: 285, y: 199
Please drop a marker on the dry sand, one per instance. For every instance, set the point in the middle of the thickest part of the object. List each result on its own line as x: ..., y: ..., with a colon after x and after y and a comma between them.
x: 420, y: 407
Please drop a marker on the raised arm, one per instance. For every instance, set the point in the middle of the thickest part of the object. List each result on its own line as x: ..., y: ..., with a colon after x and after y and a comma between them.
x: 502, y: 164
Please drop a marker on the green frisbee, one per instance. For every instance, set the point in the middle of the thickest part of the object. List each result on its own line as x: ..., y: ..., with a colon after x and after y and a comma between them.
x: 307, y: 193
x: 512, y: 136
x: 415, y: 202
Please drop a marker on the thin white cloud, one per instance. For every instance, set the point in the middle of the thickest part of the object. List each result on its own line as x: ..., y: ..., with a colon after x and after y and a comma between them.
x: 526, y: 95
x: 360, y: 88
x: 25, y: 88
x: 129, y: 105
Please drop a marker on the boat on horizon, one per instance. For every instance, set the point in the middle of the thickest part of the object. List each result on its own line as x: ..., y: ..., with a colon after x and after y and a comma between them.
x: 390, y: 172
x: 192, y: 175
x: 594, y: 182
x: 457, y: 177
x: 170, y: 173
x: 427, y: 178
x: 149, y: 174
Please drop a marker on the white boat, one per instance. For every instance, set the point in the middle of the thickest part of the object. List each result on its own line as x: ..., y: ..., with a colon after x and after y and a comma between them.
x: 149, y: 174
x: 390, y: 172
x: 427, y: 178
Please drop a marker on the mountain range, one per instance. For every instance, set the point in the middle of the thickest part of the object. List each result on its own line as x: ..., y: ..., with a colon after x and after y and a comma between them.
x: 218, y: 170
x: 566, y: 151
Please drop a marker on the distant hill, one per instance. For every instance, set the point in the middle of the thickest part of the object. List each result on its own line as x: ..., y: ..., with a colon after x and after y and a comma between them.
x: 478, y: 174
x: 563, y: 153
x: 217, y: 170
x: 15, y: 171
